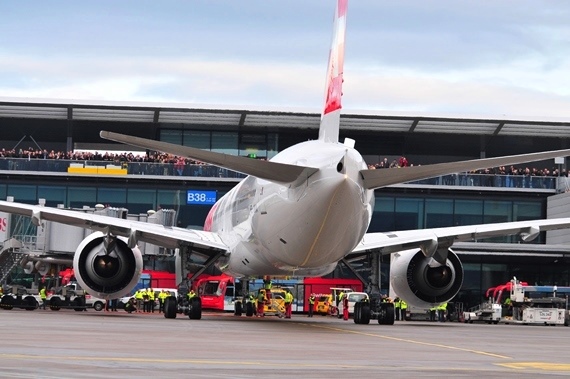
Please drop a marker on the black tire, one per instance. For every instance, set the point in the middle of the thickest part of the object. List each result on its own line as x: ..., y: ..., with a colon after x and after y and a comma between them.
x: 357, y: 313
x: 386, y: 314
x: 30, y: 303
x: 170, y: 307
x: 195, y: 309
x: 55, y: 303
x: 98, y: 306
x: 78, y: 304
x: 7, y: 302
x: 365, y: 314
x: 238, y: 309
x: 249, y: 309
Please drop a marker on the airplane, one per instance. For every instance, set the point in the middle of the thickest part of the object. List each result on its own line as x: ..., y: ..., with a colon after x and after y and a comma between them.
x: 298, y: 214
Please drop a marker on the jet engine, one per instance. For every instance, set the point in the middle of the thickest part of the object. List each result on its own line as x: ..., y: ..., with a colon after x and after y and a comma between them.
x: 423, y: 282
x: 106, y: 267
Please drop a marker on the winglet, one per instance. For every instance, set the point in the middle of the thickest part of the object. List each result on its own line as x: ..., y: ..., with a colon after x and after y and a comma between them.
x: 330, y: 118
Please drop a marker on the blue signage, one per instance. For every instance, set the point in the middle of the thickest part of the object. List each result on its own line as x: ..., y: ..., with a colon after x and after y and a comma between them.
x: 201, y: 197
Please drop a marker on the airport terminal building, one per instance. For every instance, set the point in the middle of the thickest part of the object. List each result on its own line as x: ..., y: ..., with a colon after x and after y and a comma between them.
x: 36, y: 135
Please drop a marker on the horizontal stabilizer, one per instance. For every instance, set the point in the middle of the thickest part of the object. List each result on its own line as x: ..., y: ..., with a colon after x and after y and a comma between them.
x: 385, y: 177
x: 272, y: 171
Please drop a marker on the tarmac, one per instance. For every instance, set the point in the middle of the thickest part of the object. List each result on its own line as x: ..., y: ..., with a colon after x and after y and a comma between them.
x: 68, y: 344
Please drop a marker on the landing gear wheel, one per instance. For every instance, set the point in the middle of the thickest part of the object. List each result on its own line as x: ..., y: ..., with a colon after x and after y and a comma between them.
x: 249, y: 309
x: 195, y: 309
x: 238, y: 309
x: 30, y: 303
x: 170, y: 307
x: 386, y: 314
x: 365, y: 314
x: 358, y: 313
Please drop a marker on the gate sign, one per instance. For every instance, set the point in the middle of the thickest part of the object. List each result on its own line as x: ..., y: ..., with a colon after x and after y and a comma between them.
x: 201, y: 197
x: 4, y: 226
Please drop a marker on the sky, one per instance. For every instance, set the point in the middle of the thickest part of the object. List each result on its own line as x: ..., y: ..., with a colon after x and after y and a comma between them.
x: 447, y: 57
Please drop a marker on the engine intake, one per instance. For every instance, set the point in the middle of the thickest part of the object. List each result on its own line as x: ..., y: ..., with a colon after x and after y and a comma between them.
x: 107, y: 269
x: 421, y: 281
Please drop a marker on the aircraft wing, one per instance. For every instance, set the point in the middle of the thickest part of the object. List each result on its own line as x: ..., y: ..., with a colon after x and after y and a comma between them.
x: 428, y: 240
x: 385, y: 177
x: 169, y: 237
x: 272, y: 171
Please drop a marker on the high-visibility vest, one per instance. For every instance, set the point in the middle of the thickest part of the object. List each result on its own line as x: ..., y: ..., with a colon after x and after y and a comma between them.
x: 43, y: 294
x: 312, y: 300
x: 288, y: 297
x: 403, y: 304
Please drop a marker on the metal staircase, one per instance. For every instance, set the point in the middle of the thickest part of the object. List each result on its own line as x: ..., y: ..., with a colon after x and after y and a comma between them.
x: 10, y: 257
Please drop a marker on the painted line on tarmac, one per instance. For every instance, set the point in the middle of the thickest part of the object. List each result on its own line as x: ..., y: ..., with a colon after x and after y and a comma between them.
x: 448, y: 347
x: 173, y: 360
x: 538, y: 366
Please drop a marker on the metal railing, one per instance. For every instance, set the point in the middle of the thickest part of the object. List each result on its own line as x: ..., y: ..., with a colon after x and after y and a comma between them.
x: 561, y: 184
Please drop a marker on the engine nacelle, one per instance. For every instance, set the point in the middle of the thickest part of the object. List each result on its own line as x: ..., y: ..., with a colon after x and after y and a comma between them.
x: 421, y: 281
x: 107, y: 272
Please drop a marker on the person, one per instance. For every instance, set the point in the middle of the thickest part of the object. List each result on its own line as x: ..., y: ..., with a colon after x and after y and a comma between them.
x: 345, y: 308
x: 267, y: 285
x: 403, y: 309
x: 311, y: 305
x: 339, y: 299
x: 161, y: 297
x: 261, y: 303
x: 288, y: 304
x: 140, y: 300
x: 442, y: 312
x: 151, y: 298
x: 131, y: 305
x: 432, y: 312
x: 397, y: 304
x: 43, y: 296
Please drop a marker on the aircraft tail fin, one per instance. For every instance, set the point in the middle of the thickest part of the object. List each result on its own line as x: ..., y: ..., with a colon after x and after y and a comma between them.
x: 272, y: 171
x: 330, y: 118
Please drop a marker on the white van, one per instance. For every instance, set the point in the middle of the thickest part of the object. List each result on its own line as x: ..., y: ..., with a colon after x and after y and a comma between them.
x: 353, y: 297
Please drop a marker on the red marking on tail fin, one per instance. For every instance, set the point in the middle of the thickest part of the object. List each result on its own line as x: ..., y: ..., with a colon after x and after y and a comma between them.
x: 336, y: 60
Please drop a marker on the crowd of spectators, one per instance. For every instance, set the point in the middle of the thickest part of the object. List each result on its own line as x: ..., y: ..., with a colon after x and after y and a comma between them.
x: 168, y: 164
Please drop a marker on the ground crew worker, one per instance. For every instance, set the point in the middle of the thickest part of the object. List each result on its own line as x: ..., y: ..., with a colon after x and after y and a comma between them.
x: 432, y: 312
x: 161, y: 297
x: 146, y: 299
x: 311, y: 305
x: 191, y: 294
x: 288, y: 304
x: 261, y: 303
x: 345, y: 308
x: 403, y: 309
x: 43, y: 296
x: 340, y: 297
x: 251, y: 299
x: 442, y: 310
x: 151, y: 298
x: 397, y: 304
x: 140, y: 300
x: 267, y: 286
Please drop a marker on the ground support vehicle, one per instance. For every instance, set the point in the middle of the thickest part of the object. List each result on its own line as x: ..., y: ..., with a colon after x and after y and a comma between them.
x: 67, y: 298
x: 538, y: 305
x: 488, y: 312
x: 20, y: 297
x: 326, y: 304
x: 353, y: 298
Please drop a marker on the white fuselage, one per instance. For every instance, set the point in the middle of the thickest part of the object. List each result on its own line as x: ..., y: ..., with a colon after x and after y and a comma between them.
x: 301, y: 228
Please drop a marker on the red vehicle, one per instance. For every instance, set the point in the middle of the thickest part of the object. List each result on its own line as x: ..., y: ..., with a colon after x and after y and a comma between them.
x: 219, y: 292
x: 216, y: 292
